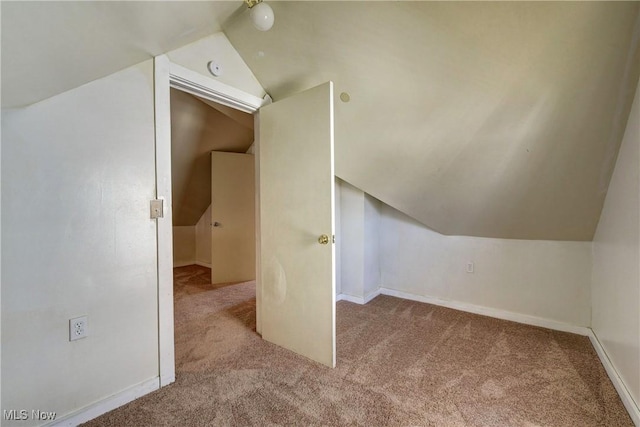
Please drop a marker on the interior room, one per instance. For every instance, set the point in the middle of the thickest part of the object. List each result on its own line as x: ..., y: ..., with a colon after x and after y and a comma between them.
x: 198, y: 128
x: 441, y: 224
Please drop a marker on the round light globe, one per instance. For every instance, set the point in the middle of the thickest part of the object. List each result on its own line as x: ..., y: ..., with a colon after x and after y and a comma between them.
x: 262, y: 16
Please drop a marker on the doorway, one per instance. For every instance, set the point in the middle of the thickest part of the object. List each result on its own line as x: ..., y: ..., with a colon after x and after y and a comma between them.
x: 167, y: 76
x: 295, y: 219
x: 213, y: 190
x: 202, y: 133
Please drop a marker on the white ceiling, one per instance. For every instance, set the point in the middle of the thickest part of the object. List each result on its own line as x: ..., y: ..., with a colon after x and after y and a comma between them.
x: 494, y: 119
x: 50, y: 47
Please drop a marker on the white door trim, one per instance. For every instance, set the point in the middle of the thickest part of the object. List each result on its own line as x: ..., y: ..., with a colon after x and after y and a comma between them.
x: 168, y: 75
x: 166, y: 351
x: 196, y: 84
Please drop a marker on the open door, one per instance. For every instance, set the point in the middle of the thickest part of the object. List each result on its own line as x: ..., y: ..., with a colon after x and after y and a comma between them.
x: 233, y: 236
x: 297, y: 224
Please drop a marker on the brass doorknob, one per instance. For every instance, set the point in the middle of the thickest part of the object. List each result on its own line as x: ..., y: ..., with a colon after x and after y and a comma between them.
x: 323, y: 240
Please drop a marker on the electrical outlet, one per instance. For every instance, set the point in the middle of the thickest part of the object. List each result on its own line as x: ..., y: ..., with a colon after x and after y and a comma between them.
x: 78, y: 328
x: 470, y: 267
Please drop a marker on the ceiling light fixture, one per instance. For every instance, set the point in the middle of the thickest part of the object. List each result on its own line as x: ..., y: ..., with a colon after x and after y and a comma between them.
x: 261, y: 14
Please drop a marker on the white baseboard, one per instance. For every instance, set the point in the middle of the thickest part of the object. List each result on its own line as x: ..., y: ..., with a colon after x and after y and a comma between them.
x: 167, y: 379
x: 350, y: 298
x: 359, y: 300
x: 621, y: 388
x: 186, y: 263
x: 491, y: 312
x: 183, y: 264
x: 371, y: 295
x: 95, y: 410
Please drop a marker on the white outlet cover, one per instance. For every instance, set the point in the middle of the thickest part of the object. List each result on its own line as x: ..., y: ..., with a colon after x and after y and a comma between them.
x: 470, y: 267
x: 78, y: 328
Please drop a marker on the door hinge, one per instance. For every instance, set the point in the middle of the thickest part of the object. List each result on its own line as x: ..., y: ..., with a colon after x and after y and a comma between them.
x: 157, y: 208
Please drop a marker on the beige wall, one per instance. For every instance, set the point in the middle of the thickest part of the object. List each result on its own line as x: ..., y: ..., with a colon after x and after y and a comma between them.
x: 184, y: 245
x: 78, y: 171
x: 192, y: 244
x: 616, y: 262
x: 196, y: 130
x: 203, y: 238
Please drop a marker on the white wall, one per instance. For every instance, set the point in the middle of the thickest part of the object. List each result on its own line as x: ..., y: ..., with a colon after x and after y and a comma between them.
x: 78, y: 172
x: 203, y: 238
x: 184, y: 245
x: 351, y: 246
x: 616, y: 262
x: 359, y: 252
x: 338, y: 260
x: 545, y: 279
x: 371, y: 276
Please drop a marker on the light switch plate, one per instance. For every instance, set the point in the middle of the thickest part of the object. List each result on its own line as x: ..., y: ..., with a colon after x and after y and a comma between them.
x: 157, y: 209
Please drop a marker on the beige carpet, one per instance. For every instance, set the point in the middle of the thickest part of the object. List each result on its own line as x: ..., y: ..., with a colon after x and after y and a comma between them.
x: 400, y: 363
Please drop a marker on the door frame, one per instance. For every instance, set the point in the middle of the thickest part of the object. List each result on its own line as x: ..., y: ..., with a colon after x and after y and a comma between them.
x: 166, y: 76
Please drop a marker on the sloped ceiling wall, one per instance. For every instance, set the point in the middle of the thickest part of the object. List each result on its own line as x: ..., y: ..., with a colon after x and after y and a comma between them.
x: 49, y: 47
x: 197, y: 128
x: 484, y: 119
x: 496, y: 119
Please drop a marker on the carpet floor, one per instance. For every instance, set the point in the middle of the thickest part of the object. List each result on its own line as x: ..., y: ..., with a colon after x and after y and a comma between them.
x: 399, y: 363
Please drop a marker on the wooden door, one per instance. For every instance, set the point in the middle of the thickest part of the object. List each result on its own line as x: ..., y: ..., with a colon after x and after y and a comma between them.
x: 297, y: 224
x: 233, y: 235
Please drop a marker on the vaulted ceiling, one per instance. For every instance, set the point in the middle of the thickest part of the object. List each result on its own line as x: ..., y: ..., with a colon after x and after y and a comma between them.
x: 49, y: 47
x: 485, y: 119
x: 476, y: 118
